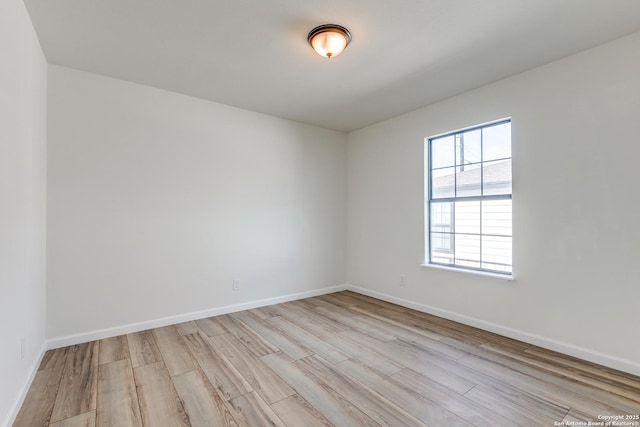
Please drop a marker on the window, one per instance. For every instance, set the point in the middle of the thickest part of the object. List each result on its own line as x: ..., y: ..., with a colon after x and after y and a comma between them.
x: 468, y: 200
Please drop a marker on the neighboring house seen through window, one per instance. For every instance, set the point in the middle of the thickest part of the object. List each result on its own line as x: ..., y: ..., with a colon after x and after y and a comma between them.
x: 468, y: 200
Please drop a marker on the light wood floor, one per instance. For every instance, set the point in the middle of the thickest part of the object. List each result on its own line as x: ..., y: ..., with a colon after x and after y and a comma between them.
x: 341, y: 359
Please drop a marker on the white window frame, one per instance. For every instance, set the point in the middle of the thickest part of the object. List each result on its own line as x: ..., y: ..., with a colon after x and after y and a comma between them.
x: 429, y: 199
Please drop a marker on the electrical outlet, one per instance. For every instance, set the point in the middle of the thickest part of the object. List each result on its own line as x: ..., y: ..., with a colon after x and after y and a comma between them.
x: 403, y: 280
x: 23, y: 343
x: 236, y: 284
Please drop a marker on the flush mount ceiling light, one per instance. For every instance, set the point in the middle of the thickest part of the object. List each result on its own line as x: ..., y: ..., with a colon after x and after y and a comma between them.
x: 329, y: 40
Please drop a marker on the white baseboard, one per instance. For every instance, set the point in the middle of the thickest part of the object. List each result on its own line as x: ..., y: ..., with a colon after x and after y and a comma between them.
x: 614, y: 362
x: 541, y: 341
x: 80, y: 338
x: 19, y: 400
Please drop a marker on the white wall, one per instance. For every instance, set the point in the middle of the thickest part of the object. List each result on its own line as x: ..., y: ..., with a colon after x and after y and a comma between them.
x: 157, y: 201
x: 23, y: 90
x: 576, y: 156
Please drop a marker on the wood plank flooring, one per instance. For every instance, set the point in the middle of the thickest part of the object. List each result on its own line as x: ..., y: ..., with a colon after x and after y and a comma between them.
x: 341, y: 359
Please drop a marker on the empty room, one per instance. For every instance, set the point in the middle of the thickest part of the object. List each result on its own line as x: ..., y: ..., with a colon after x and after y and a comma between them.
x: 342, y: 213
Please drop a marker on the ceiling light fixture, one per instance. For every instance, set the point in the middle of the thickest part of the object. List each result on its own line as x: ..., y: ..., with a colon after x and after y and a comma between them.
x: 329, y: 40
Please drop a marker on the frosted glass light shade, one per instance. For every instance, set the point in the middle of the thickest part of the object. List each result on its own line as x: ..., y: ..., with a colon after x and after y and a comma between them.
x: 329, y: 40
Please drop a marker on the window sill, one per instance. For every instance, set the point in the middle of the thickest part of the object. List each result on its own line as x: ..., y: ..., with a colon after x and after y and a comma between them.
x: 508, y: 278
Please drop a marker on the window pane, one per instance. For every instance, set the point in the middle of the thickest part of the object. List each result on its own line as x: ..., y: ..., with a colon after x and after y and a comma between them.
x: 471, y: 170
x: 496, y: 253
x: 443, y: 183
x: 441, y: 248
x: 496, y: 217
x: 468, y: 181
x: 468, y: 147
x: 443, y: 152
x: 496, y: 142
x: 442, y: 217
x: 496, y: 177
x: 467, y: 217
x: 467, y: 249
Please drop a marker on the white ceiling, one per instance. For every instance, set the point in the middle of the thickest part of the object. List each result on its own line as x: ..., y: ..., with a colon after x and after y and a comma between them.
x: 253, y: 54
